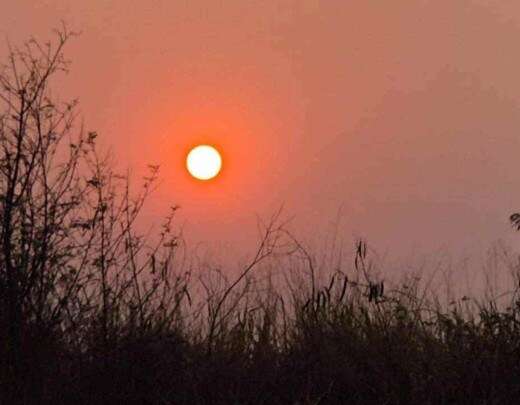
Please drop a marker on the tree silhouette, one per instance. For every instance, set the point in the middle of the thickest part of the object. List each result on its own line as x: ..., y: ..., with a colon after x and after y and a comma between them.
x: 71, y: 263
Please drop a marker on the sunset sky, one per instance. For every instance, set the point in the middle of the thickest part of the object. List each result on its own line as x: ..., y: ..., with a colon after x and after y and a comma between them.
x: 399, y: 118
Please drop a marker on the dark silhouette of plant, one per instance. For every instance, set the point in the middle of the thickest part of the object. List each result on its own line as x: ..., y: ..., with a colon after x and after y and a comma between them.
x: 515, y: 220
x: 73, y: 269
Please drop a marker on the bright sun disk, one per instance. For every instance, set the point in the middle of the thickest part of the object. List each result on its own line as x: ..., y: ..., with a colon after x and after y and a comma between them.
x: 204, y: 162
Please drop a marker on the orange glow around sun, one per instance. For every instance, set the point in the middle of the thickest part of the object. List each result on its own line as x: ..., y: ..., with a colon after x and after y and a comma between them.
x: 204, y: 162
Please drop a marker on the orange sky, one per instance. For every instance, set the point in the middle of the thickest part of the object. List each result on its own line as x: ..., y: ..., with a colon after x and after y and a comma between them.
x: 404, y: 115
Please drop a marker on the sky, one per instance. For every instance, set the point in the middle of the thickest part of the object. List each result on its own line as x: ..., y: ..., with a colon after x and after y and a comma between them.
x: 393, y: 121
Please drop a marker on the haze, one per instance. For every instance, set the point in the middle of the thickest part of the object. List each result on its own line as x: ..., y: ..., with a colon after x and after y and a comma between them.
x: 399, y: 118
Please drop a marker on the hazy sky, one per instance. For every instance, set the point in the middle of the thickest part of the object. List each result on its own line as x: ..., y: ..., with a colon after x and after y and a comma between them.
x: 399, y: 117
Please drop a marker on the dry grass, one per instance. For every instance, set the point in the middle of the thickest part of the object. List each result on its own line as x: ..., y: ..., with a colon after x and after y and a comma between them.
x: 254, y: 341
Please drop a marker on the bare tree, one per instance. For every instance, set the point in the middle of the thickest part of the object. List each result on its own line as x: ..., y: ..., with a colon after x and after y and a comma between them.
x: 71, y: 262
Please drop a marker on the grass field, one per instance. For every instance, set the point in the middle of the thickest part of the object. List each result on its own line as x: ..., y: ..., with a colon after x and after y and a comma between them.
x: 349, y: 339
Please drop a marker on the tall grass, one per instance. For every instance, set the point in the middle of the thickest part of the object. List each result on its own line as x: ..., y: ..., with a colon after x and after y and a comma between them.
x: 256, y: 340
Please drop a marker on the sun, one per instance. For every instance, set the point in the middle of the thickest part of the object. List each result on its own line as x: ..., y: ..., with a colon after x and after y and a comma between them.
x: 204, y: 162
